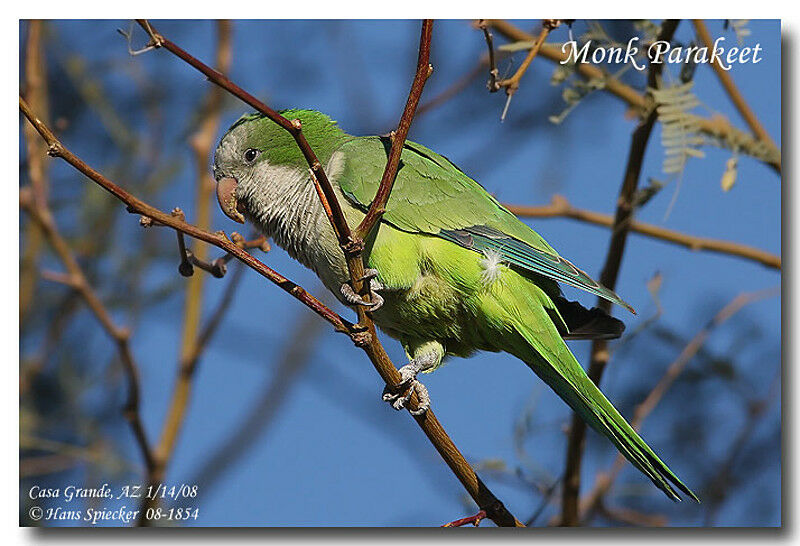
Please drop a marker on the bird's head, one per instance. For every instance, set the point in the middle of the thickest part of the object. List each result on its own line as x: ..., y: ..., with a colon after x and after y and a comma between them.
x: 255, y: 143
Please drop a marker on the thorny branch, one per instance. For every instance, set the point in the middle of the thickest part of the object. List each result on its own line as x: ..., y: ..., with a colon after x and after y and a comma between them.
x: 512, y: 84
x: 716, y: 126
x: 560, y: 207
x: 608, y: 277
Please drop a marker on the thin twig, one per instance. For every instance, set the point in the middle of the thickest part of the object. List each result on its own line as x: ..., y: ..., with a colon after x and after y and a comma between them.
x: 185, y: 266
x: 424, y: 70
x: 560, y: 207
x: 40, y: 213
x: 454, y: 89
x: 36, y: 93
x: 570, y: 515
x: 474, y: 520
x: 493, y: 83
x: 730, y: 87
x: 217, y: 267
x: 716, y: 126
x: 512, y: 84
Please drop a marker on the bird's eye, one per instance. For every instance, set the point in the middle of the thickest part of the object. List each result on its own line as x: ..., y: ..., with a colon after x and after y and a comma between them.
x: 250, y: 155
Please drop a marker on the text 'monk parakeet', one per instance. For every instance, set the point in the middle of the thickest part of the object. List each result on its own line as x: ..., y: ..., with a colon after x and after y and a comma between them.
x: 453, y: 271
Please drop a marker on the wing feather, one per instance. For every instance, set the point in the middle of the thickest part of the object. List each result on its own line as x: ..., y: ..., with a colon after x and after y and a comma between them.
x: 433, y: 196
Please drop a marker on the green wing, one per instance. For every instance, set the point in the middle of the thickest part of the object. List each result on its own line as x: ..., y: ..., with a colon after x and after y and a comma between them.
x: 431, y: 195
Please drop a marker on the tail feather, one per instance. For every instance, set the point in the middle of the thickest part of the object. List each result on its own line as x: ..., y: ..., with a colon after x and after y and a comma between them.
x: 587, y: 400
x: 548, y: 356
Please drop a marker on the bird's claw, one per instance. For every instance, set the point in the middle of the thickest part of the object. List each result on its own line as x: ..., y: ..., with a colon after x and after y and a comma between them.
x: 351, y: 297
x: 399, y: 395
x: 369, y: 274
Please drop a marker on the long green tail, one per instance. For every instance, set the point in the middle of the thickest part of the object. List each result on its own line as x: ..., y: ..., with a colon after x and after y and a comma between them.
x: 551, y: 359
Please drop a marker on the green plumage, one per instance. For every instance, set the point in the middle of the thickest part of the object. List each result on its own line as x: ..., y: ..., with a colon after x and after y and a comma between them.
x: 431, y: 195
x: 458, y: 272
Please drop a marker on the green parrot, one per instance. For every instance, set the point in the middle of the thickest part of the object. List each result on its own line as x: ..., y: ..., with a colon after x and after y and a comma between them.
x: 451, y: 271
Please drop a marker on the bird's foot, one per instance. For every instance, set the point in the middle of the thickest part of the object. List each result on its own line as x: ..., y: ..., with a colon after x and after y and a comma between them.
x: 399, y: 395
x: 376, y: 300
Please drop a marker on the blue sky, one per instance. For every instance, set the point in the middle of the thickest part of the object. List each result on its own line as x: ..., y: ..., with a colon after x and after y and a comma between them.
x: 335, y: 454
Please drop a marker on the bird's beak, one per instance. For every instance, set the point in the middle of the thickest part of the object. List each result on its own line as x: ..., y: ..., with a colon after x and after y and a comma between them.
x: 226, y: 195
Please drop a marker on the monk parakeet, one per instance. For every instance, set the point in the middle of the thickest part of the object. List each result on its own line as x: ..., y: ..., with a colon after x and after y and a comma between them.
x: 451, y: 271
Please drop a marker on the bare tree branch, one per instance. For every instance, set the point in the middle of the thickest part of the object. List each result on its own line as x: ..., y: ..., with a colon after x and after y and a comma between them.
x: 424, y: 70
x: 492, y: 84
x: 76, y: 279
x: 218, y: 239
x: 36, y: 93
x: 560, y: 207
x: 512, y: 84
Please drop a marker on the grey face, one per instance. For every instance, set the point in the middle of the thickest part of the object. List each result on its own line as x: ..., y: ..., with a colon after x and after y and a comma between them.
x: 233, y: 162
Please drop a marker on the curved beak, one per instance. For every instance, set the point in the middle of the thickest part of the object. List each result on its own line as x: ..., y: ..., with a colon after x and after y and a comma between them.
x: 226, y: 195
